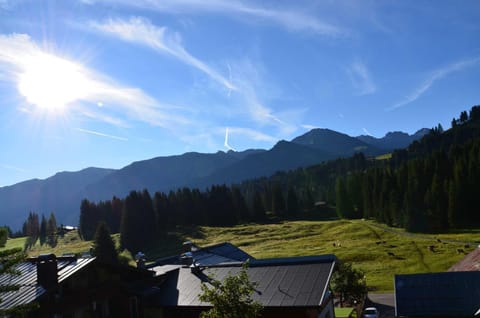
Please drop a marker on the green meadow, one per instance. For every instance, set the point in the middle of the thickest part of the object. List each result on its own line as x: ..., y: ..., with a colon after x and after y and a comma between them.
x: 378, y: 250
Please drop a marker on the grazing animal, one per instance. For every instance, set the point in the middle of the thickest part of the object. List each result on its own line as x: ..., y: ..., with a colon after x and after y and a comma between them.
x: 460, y: 251
x: 467, y: 246
x: 431, y: 248
x: 334, y: 245
x: 439, y: 240
x: 390, y: 254
x: 378, y: 242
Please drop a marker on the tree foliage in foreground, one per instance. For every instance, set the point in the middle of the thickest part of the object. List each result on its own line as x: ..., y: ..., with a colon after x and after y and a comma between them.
x: 349, y: 283
x: 231, y: 298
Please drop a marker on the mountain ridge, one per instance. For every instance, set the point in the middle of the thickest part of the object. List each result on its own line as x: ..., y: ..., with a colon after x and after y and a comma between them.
x: 63, y: 192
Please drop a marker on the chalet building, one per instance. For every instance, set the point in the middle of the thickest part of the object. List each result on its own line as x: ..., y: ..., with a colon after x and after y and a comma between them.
x: 286, y: 287
x: 68, y: 286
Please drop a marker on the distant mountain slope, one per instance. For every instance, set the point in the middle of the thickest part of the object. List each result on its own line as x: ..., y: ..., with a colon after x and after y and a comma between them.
x: 163, y: 173
x: 335, y: 143
x: 63, y: 192
x: 60, y: 192
x: 393, y: 140
x: 283, y: 156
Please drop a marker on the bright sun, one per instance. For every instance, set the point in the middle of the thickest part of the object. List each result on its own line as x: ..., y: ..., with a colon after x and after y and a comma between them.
x: 51, y: 82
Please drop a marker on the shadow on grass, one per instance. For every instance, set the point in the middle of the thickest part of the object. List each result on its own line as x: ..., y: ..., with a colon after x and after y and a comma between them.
x: 171, y: 243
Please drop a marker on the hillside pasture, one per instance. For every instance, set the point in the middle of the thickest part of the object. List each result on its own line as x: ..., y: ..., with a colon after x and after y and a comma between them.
x: 378, y: 250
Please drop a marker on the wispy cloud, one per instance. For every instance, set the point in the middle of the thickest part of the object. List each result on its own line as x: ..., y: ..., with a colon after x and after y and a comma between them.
x: 5, y: 4
x: 252, y: 134
x: 106, y: 118
x: 18, y: 50
x: 435, y: 76
x: 309, y: 127
x: 142, y: 31
x: 10, y: 167
x: 361, y: 79
x: 253, y: 92
x: 97, y: 133
x: 288, y: 18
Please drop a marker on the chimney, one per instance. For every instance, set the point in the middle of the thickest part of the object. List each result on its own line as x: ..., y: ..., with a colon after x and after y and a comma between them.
x: 187, y: 258
x: 47, y: 271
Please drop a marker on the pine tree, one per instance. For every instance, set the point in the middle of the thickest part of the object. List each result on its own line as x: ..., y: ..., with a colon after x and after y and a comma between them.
x: 43, y: 230
x: 278, y: 201
x: 32, y: 230
x: 258, y: 208
x: 52, y: 230
x: 104, y: 246
x: 292, y: 202
x: 3, y: 236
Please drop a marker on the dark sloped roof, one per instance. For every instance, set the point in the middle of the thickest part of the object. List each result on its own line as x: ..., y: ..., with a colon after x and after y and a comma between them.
x: 27, y: 280
x: 295, y: 282
x: 471, y: 262
x: 448, y: 294
x: 210, y: 255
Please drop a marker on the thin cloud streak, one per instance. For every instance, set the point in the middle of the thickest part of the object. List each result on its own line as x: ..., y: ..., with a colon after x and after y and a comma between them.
x: 361, y: 78
x: 290, y: 19
x: 10, y: 167
x: 251, y: 133
x: 142, y: 31
x: 97, y: 133
x: 435, y: 76
x: 309, y: 127
x: 247, y: 78
x: 106, y: 119
x: 16, y: 50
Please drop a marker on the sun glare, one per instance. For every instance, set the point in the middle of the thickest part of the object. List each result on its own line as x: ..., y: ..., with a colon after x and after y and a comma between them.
x: 51, y: 83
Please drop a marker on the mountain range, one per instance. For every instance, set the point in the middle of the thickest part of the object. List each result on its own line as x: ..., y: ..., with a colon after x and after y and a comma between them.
x: 63, y: 192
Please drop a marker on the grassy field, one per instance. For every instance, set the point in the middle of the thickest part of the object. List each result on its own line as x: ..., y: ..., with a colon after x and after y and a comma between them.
x: 378, y: 250
x: 384, y: 157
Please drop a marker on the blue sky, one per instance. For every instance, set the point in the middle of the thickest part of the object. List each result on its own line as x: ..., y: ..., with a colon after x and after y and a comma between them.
x: 103, y: 83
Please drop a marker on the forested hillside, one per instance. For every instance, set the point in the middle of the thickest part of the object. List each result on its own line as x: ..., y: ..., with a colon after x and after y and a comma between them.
x: 432, y: 186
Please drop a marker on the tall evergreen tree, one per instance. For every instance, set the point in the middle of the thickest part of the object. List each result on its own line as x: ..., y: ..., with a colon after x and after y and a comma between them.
x: 278, y: 201
x: 3, y: 236
x: 52, y: 230
x: 104, y: 246
x: 43, y: 230
x: 32, y: 230
x: 258, y: 207
x: 293, y: 206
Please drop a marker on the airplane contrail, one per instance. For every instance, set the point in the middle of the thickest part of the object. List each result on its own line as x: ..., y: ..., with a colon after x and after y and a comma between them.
x: 226, y: 141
